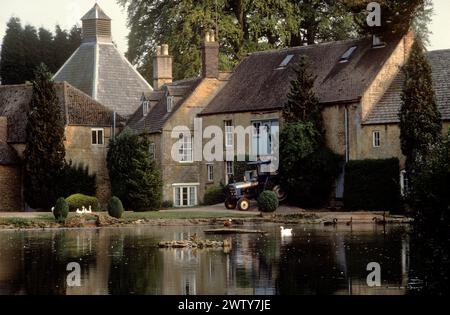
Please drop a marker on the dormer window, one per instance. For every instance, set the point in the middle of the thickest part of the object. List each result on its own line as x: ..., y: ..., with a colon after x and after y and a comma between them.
x: 285, y: 62
x: 145, y: 107
x: 169, y: 103
x: 347, y: 55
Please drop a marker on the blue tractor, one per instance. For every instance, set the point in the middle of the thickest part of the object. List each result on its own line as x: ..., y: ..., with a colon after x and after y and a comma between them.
x: 239, y: 194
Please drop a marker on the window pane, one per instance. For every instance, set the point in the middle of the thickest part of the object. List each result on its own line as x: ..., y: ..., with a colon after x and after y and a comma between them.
x: 100, y: 137
x: 94, y: 137
x: 177, y: 196
x: 192, y: 196
x: 185, y: 197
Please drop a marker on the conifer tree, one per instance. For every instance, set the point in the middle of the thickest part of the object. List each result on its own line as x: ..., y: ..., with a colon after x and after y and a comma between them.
x: 12, y: 61
x: 45, y: 152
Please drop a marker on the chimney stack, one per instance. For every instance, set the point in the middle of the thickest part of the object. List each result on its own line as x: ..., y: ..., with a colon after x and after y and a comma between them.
x: 210, y: 56
x: 162, y: 67
x: 3, y: 129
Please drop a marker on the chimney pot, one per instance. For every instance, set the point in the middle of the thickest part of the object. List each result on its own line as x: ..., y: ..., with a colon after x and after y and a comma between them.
x: 207, y: 37
x: 210, y: 56
x: 165, y: 50
x: 212, y: 36
x: 158, y: 50
x: 162, y: 67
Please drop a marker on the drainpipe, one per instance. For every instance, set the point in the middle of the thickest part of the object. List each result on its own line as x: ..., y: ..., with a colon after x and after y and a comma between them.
x: 347, y: 140
x: 114, y: 126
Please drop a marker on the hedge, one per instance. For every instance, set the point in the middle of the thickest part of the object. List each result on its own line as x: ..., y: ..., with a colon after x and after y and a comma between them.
x: 372, y: 185
x: 214, y: 195
x: 77, y: 201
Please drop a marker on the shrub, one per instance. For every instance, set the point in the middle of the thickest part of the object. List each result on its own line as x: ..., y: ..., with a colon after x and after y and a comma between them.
x: 214, y: 195
x: 75, y: 179
x: 61, y: 210
x: 267, y: 201
x: 166, y: 204
x: 115, y: 208
x: 77, y: 201
x: 372, y: 185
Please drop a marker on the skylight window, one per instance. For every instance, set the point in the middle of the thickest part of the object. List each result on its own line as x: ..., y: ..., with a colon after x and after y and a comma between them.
x: 347, y: 55
x: 286, y: 61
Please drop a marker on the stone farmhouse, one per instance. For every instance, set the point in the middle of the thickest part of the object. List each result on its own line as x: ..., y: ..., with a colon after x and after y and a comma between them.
x: 358, y: 82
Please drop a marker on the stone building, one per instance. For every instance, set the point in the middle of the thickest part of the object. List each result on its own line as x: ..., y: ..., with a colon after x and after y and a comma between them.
x: 358, y: 83
x: 174, y: 104
x: 88, y: 127
x: 98, y: 69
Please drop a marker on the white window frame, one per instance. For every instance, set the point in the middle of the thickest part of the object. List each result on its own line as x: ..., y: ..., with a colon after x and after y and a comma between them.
x: 256, y: 136
x: 152, y: 150
x: 145, y: 108
x: 170, y: 102
x: 229, y: 133
x: 187, y: 149
x: 97, y: 130
x: 190, y: 188
x: 376, y: 139
x: 227, y: 173
x: 210, y: 172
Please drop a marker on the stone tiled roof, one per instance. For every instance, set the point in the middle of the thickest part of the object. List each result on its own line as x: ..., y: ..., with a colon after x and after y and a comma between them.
x: 387, y: 109
x: 77, y: 108
x: 259, y: 82
x: 157, y: 116
x: 8, y: 155
x: 96, y: 13
x: 99, y: 70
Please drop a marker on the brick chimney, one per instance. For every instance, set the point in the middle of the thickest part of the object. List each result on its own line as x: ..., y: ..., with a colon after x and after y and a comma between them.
x: 162, y: 67
x: 210, y: 56
x: 3, y: 129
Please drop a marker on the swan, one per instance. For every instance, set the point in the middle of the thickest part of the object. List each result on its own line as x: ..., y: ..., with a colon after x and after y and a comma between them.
x: 285, y: 232
x: 79, y: 211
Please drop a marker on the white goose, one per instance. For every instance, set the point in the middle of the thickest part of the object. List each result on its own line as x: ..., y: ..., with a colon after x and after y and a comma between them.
x: 285, y: 232
x: 79, y: 211
x: 88, y: 211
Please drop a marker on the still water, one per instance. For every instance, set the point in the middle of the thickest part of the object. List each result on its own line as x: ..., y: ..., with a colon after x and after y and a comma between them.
x: 315, y: 260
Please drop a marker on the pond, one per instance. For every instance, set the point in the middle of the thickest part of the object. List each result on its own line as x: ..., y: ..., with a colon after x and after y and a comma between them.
x: 315, y: 260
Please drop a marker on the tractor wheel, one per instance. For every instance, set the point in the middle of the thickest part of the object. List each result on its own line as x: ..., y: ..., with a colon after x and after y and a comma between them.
x: 230, y: 203
x: 243, y: 204
x: 281, y: 194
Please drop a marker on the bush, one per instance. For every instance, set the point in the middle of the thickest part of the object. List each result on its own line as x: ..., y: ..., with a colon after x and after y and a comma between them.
x: 267, y: 201
x: 75, y: 179
x: 214, y: 195
x: 115, y: 208
x: 166, y: 204
x: 61, y: 210
x: 77, y: 201
x: 372, y: 185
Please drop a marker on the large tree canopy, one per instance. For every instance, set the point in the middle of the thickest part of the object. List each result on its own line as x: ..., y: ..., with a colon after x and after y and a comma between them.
x: 243, y: 26
x: 24, y: 48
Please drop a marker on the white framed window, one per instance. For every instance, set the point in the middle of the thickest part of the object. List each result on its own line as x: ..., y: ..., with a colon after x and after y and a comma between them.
x: 229, y: 169
x: 152, y: 150
x: 210, y: 172
x: 262, y: 133
x: 97, y: 136
x: 376, y: 140
x: 184, y: 195
x: 229, y: 133
x: 170, y: 102
x: 145, y: 107
x: 404, y: 182
x: 186, y: 151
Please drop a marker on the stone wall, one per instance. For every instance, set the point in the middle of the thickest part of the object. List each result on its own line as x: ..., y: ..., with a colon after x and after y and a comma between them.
x: 79, y: 149
x: 10, y: 188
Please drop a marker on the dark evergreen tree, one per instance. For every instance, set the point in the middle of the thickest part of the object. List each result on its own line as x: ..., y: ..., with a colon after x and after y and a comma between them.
x: 135, y: 178
x: 61, y: 48
x: 30, y: 47
x: 12, y: 61
x: 74, y: 38
x: 45, y: 152
x: 45, y: 49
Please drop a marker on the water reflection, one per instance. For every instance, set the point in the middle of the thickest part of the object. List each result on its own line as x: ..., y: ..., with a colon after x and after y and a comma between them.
x: 315, y: 260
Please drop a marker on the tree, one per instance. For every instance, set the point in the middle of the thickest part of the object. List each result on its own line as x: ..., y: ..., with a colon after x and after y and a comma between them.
x: 45, y: 49
x: 308, y: 168
x: 135, y: 178
x: 61, y: 48
x: 398, y: 17
x: 45, y: 152
x: 243, y: 26
x: 30, y: 52
x: 12, y: 62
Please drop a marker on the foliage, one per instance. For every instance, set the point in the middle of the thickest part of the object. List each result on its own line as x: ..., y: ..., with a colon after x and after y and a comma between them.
x: 267, y: 201
x: 45, y: 151
x: 61, y: 210
x: 240, y: 166
x: 308, y: 169
x: 76, y: 179
x: 398, y: 17
x: 135, y: 177
x: 243, y: 27
x: 25, y: 48
x: 115, y: 208
x: 167, y: 204
x: 372, y: 185
x: 77, y: 201
x: 214, y: 195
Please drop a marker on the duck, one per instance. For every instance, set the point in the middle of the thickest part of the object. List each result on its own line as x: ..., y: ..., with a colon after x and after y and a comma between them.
x: 350, y: 222
x: 228, y: 223
x: 331, y: 223
x: 193, y: 237
x: 285, y: 232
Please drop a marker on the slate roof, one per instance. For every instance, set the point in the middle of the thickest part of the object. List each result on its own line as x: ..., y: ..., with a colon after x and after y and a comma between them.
x: 77, y: 109
x: 258, y: 82
x: 387, y: 109
x: 96, y: 13
x: 154, y: 121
